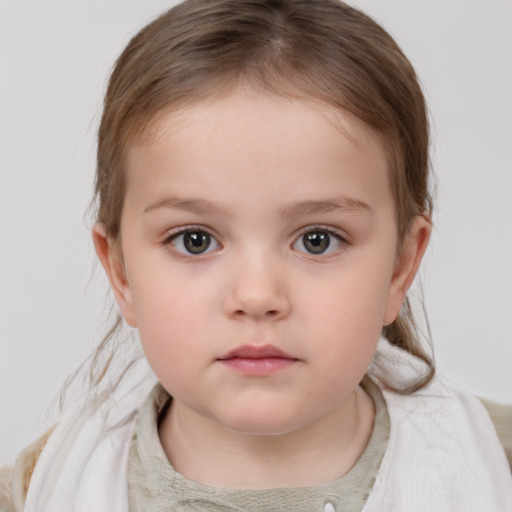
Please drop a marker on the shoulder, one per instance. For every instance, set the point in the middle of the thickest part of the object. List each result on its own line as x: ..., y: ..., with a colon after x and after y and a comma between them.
x: 440, y: 397
x: 501, y: 417
x: 440, y: 426
x: 14, y: 481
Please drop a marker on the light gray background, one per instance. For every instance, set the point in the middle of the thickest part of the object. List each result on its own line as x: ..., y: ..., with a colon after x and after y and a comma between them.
x: 54, y: 60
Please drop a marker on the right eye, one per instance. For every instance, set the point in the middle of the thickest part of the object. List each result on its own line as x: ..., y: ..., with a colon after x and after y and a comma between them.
x: 193, y: 242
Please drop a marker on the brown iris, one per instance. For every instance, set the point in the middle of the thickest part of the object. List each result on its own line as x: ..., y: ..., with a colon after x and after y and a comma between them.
x: 316, y: 242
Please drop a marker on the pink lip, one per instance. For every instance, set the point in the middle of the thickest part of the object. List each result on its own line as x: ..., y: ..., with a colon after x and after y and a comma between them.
x: 255, y: 352
x: 256, y: 360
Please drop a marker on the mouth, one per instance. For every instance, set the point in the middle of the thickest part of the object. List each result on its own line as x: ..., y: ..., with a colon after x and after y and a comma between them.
x: 256, y: 360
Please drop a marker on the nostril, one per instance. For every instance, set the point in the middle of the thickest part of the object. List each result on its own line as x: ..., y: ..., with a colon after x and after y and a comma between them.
x: 271, y: 313
x: 248, y: 302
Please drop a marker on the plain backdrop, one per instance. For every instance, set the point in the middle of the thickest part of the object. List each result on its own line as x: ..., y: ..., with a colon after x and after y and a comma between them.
x: 55, y: 57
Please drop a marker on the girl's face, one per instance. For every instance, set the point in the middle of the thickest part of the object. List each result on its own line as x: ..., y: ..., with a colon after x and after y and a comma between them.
x: 258, y: 258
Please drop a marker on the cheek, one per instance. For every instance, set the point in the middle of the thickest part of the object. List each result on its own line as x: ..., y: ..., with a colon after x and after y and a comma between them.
x: 174, y: 314
x: 346, y: 315
x: 353, y: 297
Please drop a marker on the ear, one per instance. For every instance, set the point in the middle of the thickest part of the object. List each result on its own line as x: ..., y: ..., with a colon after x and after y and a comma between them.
x: 407, y: 263
x: 111, y: 258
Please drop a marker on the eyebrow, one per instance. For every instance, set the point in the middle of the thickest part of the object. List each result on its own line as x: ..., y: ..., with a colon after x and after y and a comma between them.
x: 294, y: 209
x: 298, y: 208
x: 189, y: 204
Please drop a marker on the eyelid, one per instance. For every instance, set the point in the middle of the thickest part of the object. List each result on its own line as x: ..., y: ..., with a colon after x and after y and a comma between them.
x: 338, y: 233
x: 192, y: 228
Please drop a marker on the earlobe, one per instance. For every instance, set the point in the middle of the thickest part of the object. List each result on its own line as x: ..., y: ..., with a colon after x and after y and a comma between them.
x: 414, y: 246
x: 110, y: 256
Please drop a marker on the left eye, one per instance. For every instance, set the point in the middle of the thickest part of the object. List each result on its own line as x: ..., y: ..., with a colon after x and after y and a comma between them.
x: 193, y: 242
x: 318, y: 241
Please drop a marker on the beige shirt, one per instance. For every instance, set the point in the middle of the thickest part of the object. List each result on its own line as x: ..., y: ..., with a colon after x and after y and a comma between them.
x: 155, y: 485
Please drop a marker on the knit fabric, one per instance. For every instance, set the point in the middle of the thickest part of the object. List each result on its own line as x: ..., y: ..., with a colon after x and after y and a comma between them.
x: 155, y: 485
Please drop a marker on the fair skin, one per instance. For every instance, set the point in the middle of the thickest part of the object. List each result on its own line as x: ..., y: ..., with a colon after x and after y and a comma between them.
x: 258, y: 261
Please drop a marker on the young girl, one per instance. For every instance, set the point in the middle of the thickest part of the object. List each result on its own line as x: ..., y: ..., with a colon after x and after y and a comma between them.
x: 263, y: 208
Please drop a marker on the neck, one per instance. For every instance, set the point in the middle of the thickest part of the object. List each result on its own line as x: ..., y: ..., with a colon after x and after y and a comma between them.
x: 206, y: 452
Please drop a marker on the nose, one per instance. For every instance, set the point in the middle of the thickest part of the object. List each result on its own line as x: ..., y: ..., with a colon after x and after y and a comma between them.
x: 257, y: 290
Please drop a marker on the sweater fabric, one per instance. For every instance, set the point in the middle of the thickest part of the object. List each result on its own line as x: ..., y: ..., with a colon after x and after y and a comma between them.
x: 154, y: 484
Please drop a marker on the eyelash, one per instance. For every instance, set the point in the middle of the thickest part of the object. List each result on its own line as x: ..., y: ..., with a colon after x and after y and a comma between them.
x: 173, y: 236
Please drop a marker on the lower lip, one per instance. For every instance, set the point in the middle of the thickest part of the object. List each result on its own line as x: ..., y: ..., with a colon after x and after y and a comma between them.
x: 258, y: 367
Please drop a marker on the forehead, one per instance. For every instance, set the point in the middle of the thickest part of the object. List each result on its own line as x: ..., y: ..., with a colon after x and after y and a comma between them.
x: 245, y: 138
x: 243, y: 105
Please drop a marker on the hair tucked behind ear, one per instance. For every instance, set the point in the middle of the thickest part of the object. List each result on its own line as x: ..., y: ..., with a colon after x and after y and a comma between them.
x: 322, y: 49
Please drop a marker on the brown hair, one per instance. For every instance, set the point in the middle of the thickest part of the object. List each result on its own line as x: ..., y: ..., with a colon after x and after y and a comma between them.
x: 320, y: 49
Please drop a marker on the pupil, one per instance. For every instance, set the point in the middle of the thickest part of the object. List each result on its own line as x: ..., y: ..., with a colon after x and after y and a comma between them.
x: 316, y: 242
x: 197, y: 242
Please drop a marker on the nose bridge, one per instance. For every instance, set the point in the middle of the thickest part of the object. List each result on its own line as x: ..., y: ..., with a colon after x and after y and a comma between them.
x: 257, y: 286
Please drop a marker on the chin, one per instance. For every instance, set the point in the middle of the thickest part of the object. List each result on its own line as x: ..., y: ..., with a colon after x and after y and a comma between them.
x: 263, y: 423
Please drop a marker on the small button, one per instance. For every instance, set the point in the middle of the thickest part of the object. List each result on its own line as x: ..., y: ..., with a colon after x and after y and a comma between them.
x: 329, y: 507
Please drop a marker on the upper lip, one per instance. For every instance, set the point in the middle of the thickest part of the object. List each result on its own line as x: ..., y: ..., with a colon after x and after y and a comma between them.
x: 255, y: 352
